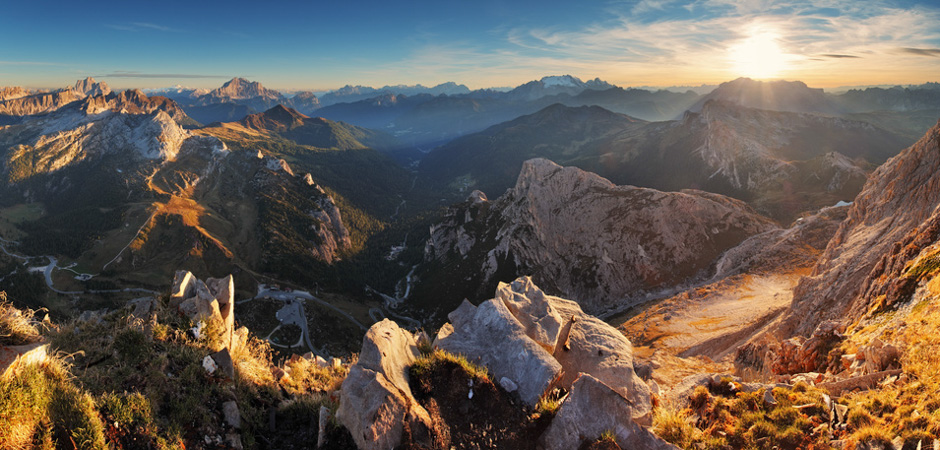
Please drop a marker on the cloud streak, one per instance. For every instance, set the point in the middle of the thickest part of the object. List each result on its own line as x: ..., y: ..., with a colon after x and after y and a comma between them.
x: 29, y: 63
x: 932, y: 52
x: 142, y: 26
x: 157, y: 75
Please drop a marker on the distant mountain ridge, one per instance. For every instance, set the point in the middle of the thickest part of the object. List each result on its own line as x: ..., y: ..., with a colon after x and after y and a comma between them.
x: 790, y: 96
x: 349, y: 94
x: 743, y: 152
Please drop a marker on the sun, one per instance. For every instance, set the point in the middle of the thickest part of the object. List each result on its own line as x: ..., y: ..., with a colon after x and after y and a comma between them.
x: 758, y: 56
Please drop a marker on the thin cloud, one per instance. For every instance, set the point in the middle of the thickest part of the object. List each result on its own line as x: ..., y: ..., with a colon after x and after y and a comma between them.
x: 142, y: 26
x: 29, y: 63
x: 837, y: 56
x: 932, y: 52
x: 157, y: 75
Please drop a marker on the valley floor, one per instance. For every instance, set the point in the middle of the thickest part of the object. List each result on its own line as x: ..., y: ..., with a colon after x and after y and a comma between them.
x: 699, y: 329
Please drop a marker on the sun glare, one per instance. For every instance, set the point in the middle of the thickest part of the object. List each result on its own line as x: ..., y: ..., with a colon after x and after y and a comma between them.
x: 758, y: 56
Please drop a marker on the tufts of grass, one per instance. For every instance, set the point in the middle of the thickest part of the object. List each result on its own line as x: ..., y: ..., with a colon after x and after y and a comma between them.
x: 17, y: 327
x: 40, y: 401
x: 674, y: 426
x: 548, y: 405
x: 305, y: 376
x: 873, y: 436
x: 426, y: 363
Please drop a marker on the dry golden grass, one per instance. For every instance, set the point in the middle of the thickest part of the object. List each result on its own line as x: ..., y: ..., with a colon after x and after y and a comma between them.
x: 17, y: 327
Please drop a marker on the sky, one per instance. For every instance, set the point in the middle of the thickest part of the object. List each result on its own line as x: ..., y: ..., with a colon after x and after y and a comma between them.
x: 318, y: 45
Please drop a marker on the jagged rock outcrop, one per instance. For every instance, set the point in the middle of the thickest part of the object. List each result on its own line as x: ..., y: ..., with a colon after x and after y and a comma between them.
x: 591, y: 409
x: 240, y: 89
x: 580, y: 235
x: 376, y: 403
x: 134, y: 101
x: 885, y: 246
x: 12, y: 92
x: 212, y: 300
x: 39, y: 103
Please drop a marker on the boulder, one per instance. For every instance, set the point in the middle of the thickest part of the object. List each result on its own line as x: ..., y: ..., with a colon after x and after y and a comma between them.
x: 491, y: 336
x: 578, y: 420
x: 223, y: 361
x: 142, y: 307
x: 581, y: 343
x: 376, y: 402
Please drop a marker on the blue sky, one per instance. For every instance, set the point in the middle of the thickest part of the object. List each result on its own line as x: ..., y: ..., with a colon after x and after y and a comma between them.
x: 321, y: 45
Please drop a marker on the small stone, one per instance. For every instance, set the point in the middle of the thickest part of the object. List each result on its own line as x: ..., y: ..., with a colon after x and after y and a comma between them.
x: 324, y: 420
x: 508, y: 385
x: 841, y: 411
x: 234, y: 441
x: 769, y: 398
x: 209, y: 364
x: 337, y: 364
x: 232, y: 417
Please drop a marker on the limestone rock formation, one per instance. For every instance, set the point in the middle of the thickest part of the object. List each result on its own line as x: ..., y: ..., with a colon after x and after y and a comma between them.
x: 882, y: 249
x: 544, y: 342
x: 489, y: 335
x: 377, y: 405
x: 591, y: 409
x: 601, y: 245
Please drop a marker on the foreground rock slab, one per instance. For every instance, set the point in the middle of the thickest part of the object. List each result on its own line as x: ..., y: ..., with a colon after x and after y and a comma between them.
x: 377, y: 405
x: 591, y: 409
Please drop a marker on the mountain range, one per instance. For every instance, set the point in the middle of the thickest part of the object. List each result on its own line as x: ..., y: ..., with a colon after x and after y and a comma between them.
x: 765, y: 250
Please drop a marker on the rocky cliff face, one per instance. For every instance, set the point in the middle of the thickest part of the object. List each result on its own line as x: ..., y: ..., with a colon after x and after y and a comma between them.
x: 13, y: 92
x: 65, y: 138
x: 580, y: 235
x: 886, y: 244
x: 39, y: 103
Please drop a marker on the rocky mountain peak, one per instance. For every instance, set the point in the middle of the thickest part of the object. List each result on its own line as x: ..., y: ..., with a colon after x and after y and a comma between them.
x: 541, y: 174
x: 89, y: 86
x: 240, y: 88
x: 598, y: 243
